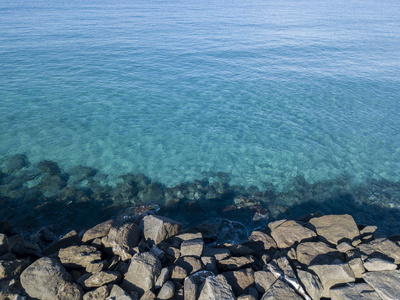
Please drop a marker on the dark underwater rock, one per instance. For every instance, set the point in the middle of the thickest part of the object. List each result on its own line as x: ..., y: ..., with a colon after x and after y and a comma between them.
x: 49, y: 167
x: 13, y: 163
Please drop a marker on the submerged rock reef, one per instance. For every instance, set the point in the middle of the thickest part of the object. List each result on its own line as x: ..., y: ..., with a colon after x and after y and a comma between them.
x: 154, y: 257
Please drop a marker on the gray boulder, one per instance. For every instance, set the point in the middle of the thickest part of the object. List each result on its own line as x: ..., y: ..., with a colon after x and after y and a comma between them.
x: 352, y: 291
x: 289, y: 233
x: 192, y: 247
x: 378, y: 264
x: 102, y: 278
x: 167, y: 291
x: 98, y: 294
x: 311, y: 283
x: 264, y: 280
x: 78, y: 256
x: 311, y: 253
x: 99, y: 231
x: 382, y: 247
x: 240, y: 280
x: 216, y: 288
x: 386, y: 283
x: 117, y: 293
x: 158, y: 228
x: 281, y: 291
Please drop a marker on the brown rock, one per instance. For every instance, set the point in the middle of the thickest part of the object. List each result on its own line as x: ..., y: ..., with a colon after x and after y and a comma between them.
x: 384, y: 247
x: 70, y: 239
x: 235, y: 263
x: 192, y: 247
x: 357, y: 266
x: 264, y: 280
x: 126, y: 236
x: 167, y: 291
x: 102, y: 278
x: 98, y: 294
x: 281, y: 291
x: 240, y: 280
x: 157, y: 228
x: 99, y: 230
x: 290, y: 232
x: 260, y: 242
x: 78, y: 256
x: 190, y: 264
x: 178, y: 273
x: 310, y: 253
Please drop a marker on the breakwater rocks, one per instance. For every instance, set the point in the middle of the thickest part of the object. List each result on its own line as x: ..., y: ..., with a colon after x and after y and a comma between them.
x: 152, y: 257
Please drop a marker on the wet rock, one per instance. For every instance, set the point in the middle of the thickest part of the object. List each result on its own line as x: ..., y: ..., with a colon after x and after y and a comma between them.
x: 235, y: 263
x: 117, y: 293
x: 157, y: 228
x: 311, y: 283
x: 216, y: 288
x: 70, y: 239
x: 264, y: 280
x: 260, y: 242
x: 80, y: 173
x: 71, y: 194
x: 78, y: 256
x: 167, y: 291
x: 142, y: 273
x: 102, y: 278
x: 190, y: 264
x: 378, y: 264
x: 4, y: 245
x: 331, y: 275
x: 98, y: 294
x: 45, y: 279
x: 122, y: 238
x: 240, y: 280
x: 352, y: 291
x: 192, y: 247
x: 386, y: 283
x: 99, y: 231
x: 309, y: 253
x: 49, y: 167
x: 383, y: 247
x: 50, y: 185
x: 281, y: 291
x: 336, y: 228
x: 152, y: 193
x: 13, y: 163
x: 11, y: 268
x: 217, y: 253
x: 290, y: 232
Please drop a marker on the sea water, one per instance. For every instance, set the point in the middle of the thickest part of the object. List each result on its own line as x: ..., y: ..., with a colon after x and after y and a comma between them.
x: 263, y: 91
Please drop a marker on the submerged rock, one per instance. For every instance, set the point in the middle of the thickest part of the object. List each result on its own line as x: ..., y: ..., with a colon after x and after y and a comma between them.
x: 13, y: 163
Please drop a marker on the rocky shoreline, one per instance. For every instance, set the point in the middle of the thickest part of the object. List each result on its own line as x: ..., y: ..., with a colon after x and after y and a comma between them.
x: 151, y: 257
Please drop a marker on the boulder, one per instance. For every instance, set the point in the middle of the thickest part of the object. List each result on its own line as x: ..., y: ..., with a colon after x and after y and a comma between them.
x: 178, y: 273
x: 70, y: 291
x: 290, y: 232
x: 11, y: 268
x: 157, y: 228
x: 210, y: 264
x: 102, y: 278
x: 78, y: 256
x: 218, y: 253
x: 117, y: 293
x: 281, y: 291
x: 357, y: 266
x: 310, y: 253
x: 190, y: 264
x: 126, y: 236
x: 142, y: 273
x: 95, y: 267
x: 235, y: 263
x: 148, y: 295
x: 162, y: 278
x: 311, y: 283
x: 167, y: 291
x: 70, y: 239
x: 45, y: 279
x: 382, y: 247
x: 336, y: 228
x: 99, y: 231
x: 260, y: 242
x: 378, y: 264
x: 97, y: 294
x: 192, y: 247
x: 333, y: 274
x: 352, y: 291
x: 13, y: 163
x: 190, y: 288
x: 385, y: 283
x: 216, y: 288
x: 264, y: 280
x: 240, y: 280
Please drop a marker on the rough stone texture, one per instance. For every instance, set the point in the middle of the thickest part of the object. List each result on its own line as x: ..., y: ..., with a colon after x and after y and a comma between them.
x: 78, y: 256
x: 97, y: 294
x: 190, y: 288
x: 281, y: 291
x: 167, y: 291
x: 148, y: 295
x: 142, y: 273
x: 95, y: 267
x: 99, y: 231
x: 158, y: 228
x: 4, y: 245
x: 352, y: 291
x: 260, y: 242
x: 240, y: 280
x: 317, y: 253
x: 11, y: 268
x: 192, y: 247
x: 44, y: 279
x: 70, y: 291
x: 190, y: 264
x: 210, y: 264
x: 189, y: 236
x: 378, y: 264
x: 162, y: 278
x: 290, y: 232
x: 70, y: 239
x: 264, y: 280
x: 216, y: 288
x: 333, y: 274
x: 178, y: 273
x: 20, y: 246
x: 344, y: 247
x: 311, y: 283
x: 126, y: 236
x: 368, y: 233
x: 15, y: 162
x: 383, y: 246
x: 117, y: 293
x: 336, y: 228
x: 102, y: 278
x: 357, y: 266
x: 235, y: 263
x: 218, y: 253
x: 386, y: 283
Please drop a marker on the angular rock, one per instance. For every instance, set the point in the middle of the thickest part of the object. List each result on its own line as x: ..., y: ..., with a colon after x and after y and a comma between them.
x: 336, y: 228
x: 78, y: 256
x: 142, y: 273
x: 311, y: 283
x: 264, y: 280
x: 95, y: 267
x: 126, y: 236
x: 102, y: 278
x: 383, y: 247
x: 281, y: 291
x: 99, y: 231
x: 45, y: 279
x: 157, y: 228
x: 378, y: 264
x: 344, y: 247
x: 357, y: 266
x: 11, y: 268
x: 174, y: 252
x: 4, y: 245
x: 368, y: 233
x: 97, y: 294
x: 240, y: 280
x: 290, y: 232
x: 218, y: 253
x: 188, y: 236
x: 167, y: 291
x: 260, y: 242
x: 70, y: 239
x: 331, y: 275
x: 216, y: 288
x: 386, y: 283
x: 352, y: 291
x: 13, y: 163
x: 70, y: 291
x: 117, y: 293
x: 162, y: 278
x: 190, y: 264
x: 192, y: 247
x: 238, y: 250
x: 309, y: 253
x: 235, y: 263
x: 190, y: 288
x: 210, y: 264
x: 178, y: 273
x: 20, y: 246
x: 148, y: 295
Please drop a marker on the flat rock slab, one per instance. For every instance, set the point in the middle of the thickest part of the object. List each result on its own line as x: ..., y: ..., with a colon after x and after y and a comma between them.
x: 102, y: 278
x: 218, y: 253
x: 264, y: 280
x: 352, y: 291
x: 290, y: 232
x: 383, y: 247
x: 260, y: 242
x: 235, y: 263
x: 281, y: 291
x: 311, y: 283
x: 99, y: 231
x: 240, y: 280
x: 78, y: 256
x: 309, y: 253
x: 331, y: 275
x: 386, y: 283
x: 216, y: 288
x: 192, y: 247
x: 70, y: 239
x: 336, y: 228
x: 378, y: 264
x: 158, y: 228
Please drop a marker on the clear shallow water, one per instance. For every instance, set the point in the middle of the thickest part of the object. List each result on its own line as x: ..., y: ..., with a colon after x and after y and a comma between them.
x: 262, y: 91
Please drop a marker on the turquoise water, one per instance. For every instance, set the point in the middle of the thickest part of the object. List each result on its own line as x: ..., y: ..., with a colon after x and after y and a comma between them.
x: 177, y: 90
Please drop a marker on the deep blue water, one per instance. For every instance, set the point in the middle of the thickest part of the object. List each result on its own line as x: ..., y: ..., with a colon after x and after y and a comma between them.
x: 177, y: 90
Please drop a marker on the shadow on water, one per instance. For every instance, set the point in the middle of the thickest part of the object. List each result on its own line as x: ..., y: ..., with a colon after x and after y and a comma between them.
x: 33, y: 196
